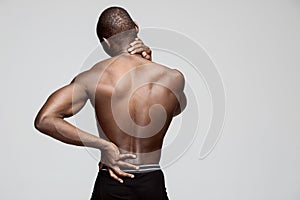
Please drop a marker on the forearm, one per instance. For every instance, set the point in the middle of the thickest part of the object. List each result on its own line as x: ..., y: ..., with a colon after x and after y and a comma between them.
x: 65, y: 132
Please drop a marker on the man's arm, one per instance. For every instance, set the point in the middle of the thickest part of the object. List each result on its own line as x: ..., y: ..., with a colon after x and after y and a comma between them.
x: 66, y: 102
x: 179, y: 83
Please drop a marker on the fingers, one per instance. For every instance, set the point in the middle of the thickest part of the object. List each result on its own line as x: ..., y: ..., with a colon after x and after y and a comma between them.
x: 146, y: 56
x: 136, y: 46
x: 137, y: 50
x: 132, y: 44
x: 126, y: 156
x: 122, y: 173
x: 127, y: 165
x: 114, y: 176
x: 136, y: 41
x: 116, y: 172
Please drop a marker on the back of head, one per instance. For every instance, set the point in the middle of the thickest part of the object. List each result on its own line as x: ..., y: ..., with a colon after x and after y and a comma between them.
x: 112, y: 21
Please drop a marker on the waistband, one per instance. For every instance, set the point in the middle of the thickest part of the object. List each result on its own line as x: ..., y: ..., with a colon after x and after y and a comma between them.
x: 142, y: 168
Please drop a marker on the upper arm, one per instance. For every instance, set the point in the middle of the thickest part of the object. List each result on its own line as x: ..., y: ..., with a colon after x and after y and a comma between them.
x: 66, y: 101
x: 179, y: 83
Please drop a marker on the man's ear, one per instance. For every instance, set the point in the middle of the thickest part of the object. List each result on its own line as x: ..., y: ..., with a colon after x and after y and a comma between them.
x: 106, y: 42
x: 136, y: 27
x: 106, y: 46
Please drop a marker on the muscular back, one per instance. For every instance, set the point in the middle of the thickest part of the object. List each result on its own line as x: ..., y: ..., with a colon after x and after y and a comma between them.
x: 135, y: 101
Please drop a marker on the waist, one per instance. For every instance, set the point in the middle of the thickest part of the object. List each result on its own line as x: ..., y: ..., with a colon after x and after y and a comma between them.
x: 142, y: 168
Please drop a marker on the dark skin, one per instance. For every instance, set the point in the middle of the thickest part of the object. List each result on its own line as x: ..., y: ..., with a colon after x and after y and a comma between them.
x: 119, y: 148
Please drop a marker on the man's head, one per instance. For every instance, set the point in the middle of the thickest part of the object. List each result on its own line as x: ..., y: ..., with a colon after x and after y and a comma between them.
x: 116, y: 29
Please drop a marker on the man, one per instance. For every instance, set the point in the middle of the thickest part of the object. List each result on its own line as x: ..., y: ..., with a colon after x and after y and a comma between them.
x: 134, y: 99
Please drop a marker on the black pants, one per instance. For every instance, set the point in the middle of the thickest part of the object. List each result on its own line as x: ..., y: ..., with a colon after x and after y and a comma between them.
x: 144, y: 186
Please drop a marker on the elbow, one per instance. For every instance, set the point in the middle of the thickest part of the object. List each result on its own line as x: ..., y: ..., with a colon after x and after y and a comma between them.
x: 40, y: 122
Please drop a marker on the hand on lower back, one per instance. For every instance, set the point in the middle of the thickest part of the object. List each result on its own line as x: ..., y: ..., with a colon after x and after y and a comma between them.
x: 111, y: 157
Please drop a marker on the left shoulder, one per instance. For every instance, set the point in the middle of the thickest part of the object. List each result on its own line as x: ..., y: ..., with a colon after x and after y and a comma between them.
x: 176, y: 79
x: 177, y: 74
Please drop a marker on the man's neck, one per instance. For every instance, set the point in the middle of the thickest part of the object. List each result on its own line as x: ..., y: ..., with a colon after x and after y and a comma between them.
x: 120, y: 45
x: 124, y: 51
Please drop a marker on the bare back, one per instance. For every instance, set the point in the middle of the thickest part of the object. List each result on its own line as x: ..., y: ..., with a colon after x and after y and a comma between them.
x: 135, y: 100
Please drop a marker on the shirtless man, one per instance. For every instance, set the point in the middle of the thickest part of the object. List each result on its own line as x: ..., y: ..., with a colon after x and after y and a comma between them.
x: 134, y: 99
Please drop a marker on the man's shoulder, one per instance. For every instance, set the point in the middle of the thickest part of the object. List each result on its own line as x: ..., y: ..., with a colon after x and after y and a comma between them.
x: 173, y: 72
x: 173, y: 77
x: 91, y: 75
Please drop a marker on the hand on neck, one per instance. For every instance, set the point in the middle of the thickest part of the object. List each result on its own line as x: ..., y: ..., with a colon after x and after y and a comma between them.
x: 119, y: 43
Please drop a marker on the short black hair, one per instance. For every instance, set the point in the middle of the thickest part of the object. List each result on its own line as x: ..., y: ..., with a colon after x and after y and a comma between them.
x: 112, y: 21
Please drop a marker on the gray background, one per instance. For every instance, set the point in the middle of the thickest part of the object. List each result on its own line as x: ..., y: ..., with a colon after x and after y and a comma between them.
x: 255, y: 45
